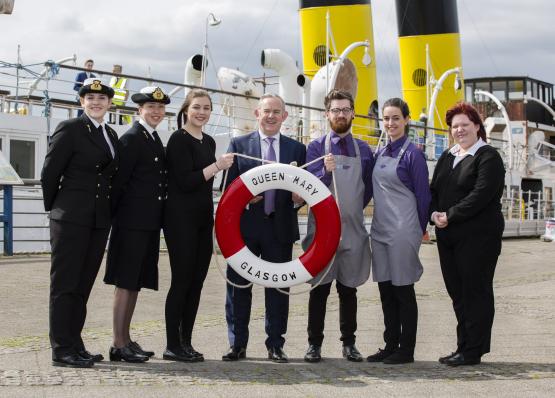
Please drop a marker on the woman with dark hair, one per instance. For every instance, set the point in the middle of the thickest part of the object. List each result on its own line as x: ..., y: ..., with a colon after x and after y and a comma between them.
x: 188, y: 220
x: 401, y: 209
x: 140, y: 184
x: 466, y: 190
x: 82, y: 158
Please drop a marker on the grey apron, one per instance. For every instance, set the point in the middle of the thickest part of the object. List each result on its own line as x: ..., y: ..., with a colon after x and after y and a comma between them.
x: 352, y: 261
x: 396, y: 231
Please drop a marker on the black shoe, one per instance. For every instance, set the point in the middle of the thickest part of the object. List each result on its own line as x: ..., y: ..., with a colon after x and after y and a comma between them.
x: 188, y: 348
x: 379, y: 356
x: 313, y: 354
x: 126, y: 354
x: 460, y: 360
x: 93, y: 357
x: 276, y: 354
x: 72, y: 360
x: 179, y: 355
x: 139, y: 350
x: 398, y: 358
x: 446, y: 357
x: 350, y: 353
x: 235, y: 353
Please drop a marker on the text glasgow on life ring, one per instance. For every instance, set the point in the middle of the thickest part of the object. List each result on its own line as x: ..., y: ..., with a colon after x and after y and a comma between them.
x: 290, y: 178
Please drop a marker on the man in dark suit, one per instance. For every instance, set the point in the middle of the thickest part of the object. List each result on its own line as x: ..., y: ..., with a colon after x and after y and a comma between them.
x: 138, y: 195
x: 76, y: 182
x: 80, y: 78
x: 269, y: 227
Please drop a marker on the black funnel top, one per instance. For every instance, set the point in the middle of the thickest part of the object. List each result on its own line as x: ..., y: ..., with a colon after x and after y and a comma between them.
x: 426, y: 17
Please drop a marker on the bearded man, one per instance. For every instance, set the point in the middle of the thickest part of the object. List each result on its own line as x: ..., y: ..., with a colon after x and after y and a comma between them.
x: 352, y: 161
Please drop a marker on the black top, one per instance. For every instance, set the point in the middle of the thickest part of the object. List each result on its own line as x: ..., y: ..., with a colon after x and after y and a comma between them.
x: 139, y: 187
x: 77, y: 173
x: 426, y: 17
x: 471, y: 192
x: 188, y: 191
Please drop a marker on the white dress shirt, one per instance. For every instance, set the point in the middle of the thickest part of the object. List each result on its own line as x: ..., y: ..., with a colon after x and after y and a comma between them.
x: 264, y: 144
x: 106, y: 137
x: 456, y: 151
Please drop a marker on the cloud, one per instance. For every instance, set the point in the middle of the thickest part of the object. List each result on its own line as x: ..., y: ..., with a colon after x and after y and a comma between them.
x: 498, y: 37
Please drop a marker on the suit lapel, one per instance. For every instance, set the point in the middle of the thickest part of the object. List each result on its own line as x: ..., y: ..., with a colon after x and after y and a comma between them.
x: 283, y: 150
x: 254, y: 145
x: 147, y: 138
x: 93, y: 134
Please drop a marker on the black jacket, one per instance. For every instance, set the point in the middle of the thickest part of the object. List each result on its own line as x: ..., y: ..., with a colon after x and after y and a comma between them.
x: 139, y: 187
x: 471, y: 192
x: 77, y: 173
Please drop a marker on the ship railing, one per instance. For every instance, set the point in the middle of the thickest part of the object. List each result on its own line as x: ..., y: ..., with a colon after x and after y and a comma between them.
x: 59, y: 101
x: 527, y: 205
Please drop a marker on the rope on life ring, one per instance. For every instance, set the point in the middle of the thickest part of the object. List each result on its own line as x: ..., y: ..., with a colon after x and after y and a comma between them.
x: 314, y: 193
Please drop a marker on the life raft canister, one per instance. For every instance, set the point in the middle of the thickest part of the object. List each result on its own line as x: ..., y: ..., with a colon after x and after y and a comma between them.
x: 290, y: 178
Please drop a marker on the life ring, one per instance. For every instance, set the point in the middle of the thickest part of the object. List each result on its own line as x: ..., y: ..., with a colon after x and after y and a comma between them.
x: 290, y: 178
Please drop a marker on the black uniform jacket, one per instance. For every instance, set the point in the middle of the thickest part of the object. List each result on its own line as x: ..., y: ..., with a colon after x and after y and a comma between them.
x: 139, y: 187
x: 471, y: 192
x: 77, y: 173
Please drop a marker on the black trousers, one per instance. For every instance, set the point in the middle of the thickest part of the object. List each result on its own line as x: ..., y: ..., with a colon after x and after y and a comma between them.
x: 76, y: 257
x: 468, y: 266
x: 347, y: 313
x: 190, y: 251
x: 400, y: 315
x: 239, y: 301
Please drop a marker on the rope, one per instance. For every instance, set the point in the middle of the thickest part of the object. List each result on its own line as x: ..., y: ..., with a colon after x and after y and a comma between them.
x: 219, y: 266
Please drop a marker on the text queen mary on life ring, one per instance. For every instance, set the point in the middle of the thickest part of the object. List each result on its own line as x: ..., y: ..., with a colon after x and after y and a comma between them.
x: 315, y: 194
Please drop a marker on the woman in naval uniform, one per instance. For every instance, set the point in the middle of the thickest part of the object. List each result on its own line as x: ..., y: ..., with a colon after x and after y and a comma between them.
x: 188, y: 220
x: 138, y: 195
x: 401, y: 208
x: 76, y: 179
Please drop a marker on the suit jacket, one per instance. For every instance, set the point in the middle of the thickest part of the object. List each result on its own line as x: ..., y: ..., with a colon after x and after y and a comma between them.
x: 81, y: 77
x: 77, y: 173
x: 139, y: 187
x: 470, y: 193
x: 286, y: 224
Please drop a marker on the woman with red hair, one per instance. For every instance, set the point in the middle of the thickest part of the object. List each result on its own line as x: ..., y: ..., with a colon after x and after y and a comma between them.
x: 466, y: 190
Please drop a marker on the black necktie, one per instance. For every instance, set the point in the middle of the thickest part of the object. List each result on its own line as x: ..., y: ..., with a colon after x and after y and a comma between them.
x: 106, y: 146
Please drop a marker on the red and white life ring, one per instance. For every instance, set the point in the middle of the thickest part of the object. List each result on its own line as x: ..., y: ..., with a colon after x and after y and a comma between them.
x: 290, y: 178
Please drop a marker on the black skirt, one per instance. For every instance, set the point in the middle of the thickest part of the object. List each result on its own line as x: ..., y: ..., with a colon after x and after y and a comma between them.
x: 132, y: 261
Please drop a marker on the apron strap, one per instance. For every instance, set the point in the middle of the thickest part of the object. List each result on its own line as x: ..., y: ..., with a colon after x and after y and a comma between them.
x: 403, y: 149
x: 327, y: 145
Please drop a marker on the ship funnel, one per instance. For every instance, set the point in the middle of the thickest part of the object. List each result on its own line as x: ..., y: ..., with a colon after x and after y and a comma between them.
x: 429, y: 45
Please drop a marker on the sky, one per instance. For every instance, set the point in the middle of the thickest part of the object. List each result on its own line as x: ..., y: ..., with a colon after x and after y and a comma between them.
x: 498, y: 37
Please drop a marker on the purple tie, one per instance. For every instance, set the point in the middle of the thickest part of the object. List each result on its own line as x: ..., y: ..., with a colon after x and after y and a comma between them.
x: 270, y: 195
x: 343, y: 147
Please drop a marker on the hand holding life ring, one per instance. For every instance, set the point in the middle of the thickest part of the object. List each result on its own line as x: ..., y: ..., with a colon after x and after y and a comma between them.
x: 290, y: 178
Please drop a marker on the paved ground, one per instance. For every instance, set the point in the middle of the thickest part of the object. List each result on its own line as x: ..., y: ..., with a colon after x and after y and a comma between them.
x: 522, y: 362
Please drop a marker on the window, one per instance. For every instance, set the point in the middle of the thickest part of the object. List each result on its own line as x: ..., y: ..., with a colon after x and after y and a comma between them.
x: 22, y: 158
x: 484, y: 86
x: 469, y: 93
x: 499, y: 90
x: 516, y: 89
